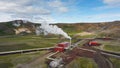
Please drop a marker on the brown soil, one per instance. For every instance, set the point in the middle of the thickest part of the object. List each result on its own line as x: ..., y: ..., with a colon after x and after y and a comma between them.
x: 96, y: 56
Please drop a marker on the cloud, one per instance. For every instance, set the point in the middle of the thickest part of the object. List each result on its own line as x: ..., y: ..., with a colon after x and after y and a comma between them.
x: 102, y: 17
x: 28, y: 9
x: 108, y: 4
x: 111, y: 2
x: 21, y: 6
x: 58, y: 5
x: 55, y: 3
x: 42, y: 18
x: 99, y: 16
x: 5, y: 17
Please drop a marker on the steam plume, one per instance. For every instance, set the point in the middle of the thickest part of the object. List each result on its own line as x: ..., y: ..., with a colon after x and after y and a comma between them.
x: 53, y: 29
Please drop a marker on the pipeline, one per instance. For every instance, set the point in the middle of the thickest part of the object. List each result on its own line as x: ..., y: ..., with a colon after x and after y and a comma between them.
x: 24, y: 51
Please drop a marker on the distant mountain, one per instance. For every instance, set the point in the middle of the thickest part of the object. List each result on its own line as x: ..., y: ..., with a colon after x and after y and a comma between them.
x: 21, y: 26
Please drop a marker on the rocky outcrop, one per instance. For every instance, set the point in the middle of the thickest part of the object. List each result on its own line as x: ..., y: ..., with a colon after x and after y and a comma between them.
x: 22, y: 30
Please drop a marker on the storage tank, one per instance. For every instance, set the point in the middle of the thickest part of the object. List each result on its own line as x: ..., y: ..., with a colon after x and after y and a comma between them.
x: 57, y: 63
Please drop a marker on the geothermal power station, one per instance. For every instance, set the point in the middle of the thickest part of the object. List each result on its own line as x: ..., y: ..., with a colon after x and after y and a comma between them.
x: 61, y: 54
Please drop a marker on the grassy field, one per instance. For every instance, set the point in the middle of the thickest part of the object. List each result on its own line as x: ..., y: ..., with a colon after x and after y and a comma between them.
x: 112, y: 45
x: 12, y: 61
x: 25, y: 42
x: 11, y: 43
x: 31, y: 41
x: 82, y: 63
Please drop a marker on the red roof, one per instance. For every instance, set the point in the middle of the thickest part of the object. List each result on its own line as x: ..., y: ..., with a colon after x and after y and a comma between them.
x: 60, y: 49
x: 63, y: 44
x: 93, y: 43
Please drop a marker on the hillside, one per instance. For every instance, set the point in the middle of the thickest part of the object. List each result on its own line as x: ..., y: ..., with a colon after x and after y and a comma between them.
x: 110, y: 29
x: 91, y: 26
x: 20, y: 26
x: 13, y: 27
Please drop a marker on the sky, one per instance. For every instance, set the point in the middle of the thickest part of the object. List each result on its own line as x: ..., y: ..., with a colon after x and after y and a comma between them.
x: 60, y: 11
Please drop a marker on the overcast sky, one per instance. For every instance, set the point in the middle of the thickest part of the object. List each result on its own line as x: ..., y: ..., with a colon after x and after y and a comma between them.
x: 67, y: 11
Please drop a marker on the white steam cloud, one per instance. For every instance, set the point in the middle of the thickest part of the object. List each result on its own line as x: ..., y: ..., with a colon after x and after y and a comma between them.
x: 17, y: 24
x: 52, y: 29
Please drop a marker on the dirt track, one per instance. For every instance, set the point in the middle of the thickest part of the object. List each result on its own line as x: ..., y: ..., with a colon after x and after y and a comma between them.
x: 101, y: 61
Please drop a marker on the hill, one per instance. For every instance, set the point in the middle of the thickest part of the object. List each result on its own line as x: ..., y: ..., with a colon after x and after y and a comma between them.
x: 110, y: 29
x: 15, y: 27
x: 26, y: 27
x: 91, y: 26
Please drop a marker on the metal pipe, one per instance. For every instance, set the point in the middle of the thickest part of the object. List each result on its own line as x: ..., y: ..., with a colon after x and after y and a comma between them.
x: 24, y: 51
x: 50, y: 56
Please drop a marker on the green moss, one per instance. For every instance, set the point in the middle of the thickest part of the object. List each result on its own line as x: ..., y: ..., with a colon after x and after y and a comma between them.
x: 112, y: 48
x: 15, y: 47
x: 11, y: 61
x: 25, y: 42
x: 5, y: 65
x: 82, y: 63
x: 9, y: 25
x: 116, y: 62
